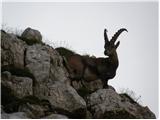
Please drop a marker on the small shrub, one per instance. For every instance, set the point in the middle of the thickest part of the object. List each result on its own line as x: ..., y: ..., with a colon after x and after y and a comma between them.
x: 130, y: 95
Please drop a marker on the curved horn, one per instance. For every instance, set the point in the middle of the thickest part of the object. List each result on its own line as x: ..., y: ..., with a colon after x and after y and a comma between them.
x: 105, y: 36
x: 116, y: 35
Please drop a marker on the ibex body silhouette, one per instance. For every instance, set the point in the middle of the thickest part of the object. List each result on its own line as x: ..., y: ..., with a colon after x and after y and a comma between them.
x: 91, y: 68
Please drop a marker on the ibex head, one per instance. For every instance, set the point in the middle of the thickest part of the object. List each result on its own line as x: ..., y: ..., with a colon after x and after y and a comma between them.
x: 110, y: 46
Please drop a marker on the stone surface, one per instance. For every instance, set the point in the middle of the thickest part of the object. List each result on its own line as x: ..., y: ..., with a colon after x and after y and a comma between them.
x: 55, y: 116
x: 12, y: 51
x: 38, y: 62
x: 31, y: 36
x: 20, y: 86
x: 17, y: 115
x: 46, y: 66
x: 106, y: 103
x: 85, y: 88
x: 34, y: 111
x: 65, y: 99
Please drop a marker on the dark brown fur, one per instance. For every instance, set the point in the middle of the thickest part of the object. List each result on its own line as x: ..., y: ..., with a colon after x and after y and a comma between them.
x: 91, y: 68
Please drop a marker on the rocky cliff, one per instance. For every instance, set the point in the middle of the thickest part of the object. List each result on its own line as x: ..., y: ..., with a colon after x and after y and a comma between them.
x: 36, y: 84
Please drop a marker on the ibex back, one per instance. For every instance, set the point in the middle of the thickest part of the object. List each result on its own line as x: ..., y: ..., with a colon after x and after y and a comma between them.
x: 91, y: 68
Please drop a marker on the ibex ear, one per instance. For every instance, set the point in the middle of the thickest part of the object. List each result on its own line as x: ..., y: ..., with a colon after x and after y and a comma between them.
x: 117, y: 44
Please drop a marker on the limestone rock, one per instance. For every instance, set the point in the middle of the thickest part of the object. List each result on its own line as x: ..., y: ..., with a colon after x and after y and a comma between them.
x: 106, y: 103
x: 84, y: 87
x: 20, y: 86
x: 46, y: 66
x: 31, y: 36
x: 17, y: 115
x: 66, y: 100
x: 38, y: 62
x: 34, y: 111
x: 12, y: 50
x: 55, y: 116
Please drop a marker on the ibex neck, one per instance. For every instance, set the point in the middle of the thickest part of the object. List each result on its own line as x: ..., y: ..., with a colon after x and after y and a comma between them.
x: 114, y: 59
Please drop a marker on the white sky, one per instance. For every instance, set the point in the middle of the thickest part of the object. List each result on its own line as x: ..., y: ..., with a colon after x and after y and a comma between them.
x: 81, y: 26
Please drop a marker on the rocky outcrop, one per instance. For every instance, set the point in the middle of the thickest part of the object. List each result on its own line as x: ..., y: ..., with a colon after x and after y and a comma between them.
x: 55, y: 116
x: 65, y: 99
x: 31, y: 36
x: 17, y: 115
x: 106, y: 103
x: 46, y: 66
x: 12, y: 51
x: 20, y: 86
x: 35, y: 83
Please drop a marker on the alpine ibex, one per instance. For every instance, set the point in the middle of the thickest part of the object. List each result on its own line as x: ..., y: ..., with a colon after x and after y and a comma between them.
x: 91, y: 68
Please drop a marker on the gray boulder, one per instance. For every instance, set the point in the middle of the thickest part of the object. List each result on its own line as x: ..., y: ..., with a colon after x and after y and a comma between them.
x: 66, y: 100
x: 31, y: 36
x: 91, y: 86
x: 55, y: 116
x: 17, y: 115
x: 38, y: 62
x: 45, y: 63
x: 20, y: 86
x: 46, y: 66
x: 12, y: 51
x: 34, y: 111
x: 106, y: 103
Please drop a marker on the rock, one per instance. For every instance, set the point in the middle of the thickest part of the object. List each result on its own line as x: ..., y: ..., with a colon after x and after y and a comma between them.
x: 31, y: 36
x: 106, y: 103
x: 46, y: 65
x: 12, y: 51
x: 34, y: 107
x: 44, y: 62
x: 55, y: 116
x: 57, y: 68
x: 17, y: 115
x: 66, y: 100
x: 38, y: 62
x: 34, y: 111
x: 1, y: 109
x: 84, y: 87
x: 20, y: 86
x: 88, y: 115
x: 89, y: 85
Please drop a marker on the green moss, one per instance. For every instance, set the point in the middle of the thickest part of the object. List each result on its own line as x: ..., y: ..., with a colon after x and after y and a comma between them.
x: 18, y: 71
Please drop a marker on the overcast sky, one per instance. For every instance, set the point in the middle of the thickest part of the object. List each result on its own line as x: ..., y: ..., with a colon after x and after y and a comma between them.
x: 80, y: 27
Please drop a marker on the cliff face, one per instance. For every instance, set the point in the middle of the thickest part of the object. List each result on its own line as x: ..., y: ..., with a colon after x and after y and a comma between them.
x: 36, y: 84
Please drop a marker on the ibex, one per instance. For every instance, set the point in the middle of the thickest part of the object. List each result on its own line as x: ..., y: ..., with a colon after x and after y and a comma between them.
x: 91, y: 68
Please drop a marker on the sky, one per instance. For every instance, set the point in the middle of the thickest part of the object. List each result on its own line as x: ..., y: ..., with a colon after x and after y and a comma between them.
x: 79, y: 26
